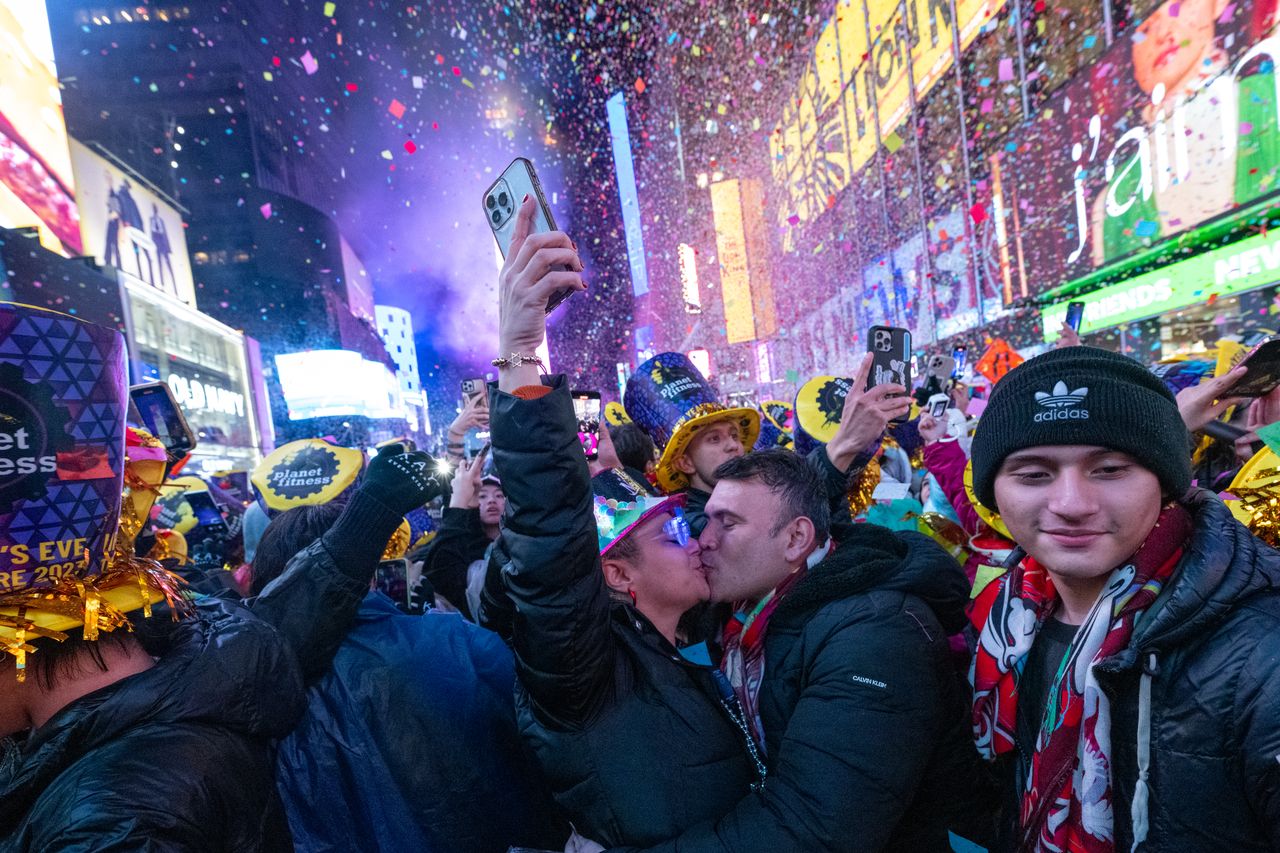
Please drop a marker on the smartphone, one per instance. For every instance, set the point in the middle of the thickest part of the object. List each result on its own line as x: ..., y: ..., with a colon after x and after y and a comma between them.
x: 938, y: 405
x: 586, y: 407
x: 941, y: 367
x: 1075, y: 314
x: 961, y: 357
x: 503, y: 198
x: 1262, y: 370
x: 209, y: 519
x: 472, y: 388
x: 890, y: 349
x: 160, y: 415
x: 392, y: 579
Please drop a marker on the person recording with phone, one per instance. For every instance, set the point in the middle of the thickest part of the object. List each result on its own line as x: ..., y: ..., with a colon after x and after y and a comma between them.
x: 454, y: 563
x: 636, y: 741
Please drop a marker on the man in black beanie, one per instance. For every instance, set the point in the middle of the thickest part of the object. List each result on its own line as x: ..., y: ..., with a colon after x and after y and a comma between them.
x: 1127, y: 677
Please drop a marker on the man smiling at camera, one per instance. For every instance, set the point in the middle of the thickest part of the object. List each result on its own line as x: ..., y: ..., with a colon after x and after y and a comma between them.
x: 1127, y: 679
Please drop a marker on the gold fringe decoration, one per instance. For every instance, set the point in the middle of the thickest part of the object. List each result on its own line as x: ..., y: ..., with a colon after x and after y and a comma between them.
x: 859, y: 494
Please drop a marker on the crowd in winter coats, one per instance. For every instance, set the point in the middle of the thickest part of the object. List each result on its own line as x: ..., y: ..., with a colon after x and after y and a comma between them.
x: 739, y: 661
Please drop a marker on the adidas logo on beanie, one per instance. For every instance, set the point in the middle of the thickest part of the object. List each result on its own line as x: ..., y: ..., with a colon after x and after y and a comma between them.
x: 1082, y: 396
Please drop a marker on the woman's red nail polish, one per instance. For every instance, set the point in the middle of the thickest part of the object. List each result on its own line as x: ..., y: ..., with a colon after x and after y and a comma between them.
x: 526, y: 198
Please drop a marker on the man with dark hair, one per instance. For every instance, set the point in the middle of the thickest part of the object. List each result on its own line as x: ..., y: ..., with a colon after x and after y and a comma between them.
x: 838, y: 654
x: 634, y: 448
x: 1127, y: 676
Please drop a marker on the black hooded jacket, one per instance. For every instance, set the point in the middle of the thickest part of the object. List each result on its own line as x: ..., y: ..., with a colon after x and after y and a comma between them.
x: 866, y: 721
x: 175, y: 758
x: 630, y: 735
x: 1211, y: 646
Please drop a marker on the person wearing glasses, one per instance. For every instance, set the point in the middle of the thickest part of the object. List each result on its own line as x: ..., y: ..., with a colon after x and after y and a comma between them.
x: 638, y: 743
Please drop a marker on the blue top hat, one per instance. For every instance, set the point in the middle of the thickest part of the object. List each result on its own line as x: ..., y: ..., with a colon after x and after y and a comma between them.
x: 775, y: 429
x: 671, y: 401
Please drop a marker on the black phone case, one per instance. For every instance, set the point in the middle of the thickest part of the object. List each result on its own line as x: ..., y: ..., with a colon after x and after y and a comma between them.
x: 890, y: 349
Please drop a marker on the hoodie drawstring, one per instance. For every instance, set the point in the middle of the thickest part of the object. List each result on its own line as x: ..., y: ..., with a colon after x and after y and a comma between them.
x: 1141, y: 791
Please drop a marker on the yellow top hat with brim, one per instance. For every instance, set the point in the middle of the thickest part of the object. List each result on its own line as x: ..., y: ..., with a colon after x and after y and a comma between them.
x: 672, y: 401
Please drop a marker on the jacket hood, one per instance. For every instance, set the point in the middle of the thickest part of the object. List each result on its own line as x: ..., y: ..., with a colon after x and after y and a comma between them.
x: 1224, y: 565
x: 868, y: 558
x: 221, y: 668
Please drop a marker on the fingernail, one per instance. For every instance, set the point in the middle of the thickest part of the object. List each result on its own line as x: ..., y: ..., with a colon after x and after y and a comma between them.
x: 526, y: 198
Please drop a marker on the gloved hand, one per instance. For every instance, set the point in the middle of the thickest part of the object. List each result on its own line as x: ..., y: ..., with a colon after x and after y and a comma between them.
x: 401, y: 481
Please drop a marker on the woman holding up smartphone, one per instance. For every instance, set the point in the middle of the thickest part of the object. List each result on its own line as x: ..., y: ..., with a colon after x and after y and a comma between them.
x: 633, y: 738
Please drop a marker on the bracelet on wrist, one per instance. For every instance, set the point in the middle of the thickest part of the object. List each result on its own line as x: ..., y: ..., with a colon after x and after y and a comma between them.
x: 518, y: 359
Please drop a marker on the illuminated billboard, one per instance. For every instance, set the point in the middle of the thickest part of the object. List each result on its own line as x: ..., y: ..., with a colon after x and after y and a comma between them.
x: 731, y: 246
x: 337, y: 383
x: 828, y: 133
x: 128, y: 227
x: 1172, y: 129
x: 36, y: 183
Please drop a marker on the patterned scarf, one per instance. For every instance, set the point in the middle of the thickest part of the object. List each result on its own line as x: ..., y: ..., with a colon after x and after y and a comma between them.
x: 743, y: 662
x: 1066, y: 804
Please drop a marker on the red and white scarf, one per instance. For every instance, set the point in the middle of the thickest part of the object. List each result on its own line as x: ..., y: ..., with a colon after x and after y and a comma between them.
x: 1066, y: 804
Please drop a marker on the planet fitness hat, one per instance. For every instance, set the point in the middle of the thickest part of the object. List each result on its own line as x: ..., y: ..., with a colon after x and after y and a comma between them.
x: 1082, y: 395
x: 66, y: 559
x: 671, y: 401
x: 819, y: 408
x: 306, y: 473
x: 775, y: 425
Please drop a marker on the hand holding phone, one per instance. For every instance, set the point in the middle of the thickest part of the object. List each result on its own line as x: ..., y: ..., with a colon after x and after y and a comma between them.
x: 529, y: 279
x: 504, y: 202
x: 866, y: 414
x: 1261, y: 370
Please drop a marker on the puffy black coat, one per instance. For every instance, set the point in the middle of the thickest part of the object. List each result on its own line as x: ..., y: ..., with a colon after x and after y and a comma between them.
x: 865, y: 718
x: 174, y: 758
x: 1212, y: 644
x: 631, y: 736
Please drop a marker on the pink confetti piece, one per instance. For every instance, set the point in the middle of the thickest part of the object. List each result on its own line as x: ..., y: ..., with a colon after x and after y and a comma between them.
x: 309, y: 63
x: 396, y: 108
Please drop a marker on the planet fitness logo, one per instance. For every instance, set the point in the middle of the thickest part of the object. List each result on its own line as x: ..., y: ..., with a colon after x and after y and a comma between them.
x: 33, y: 429
x: 1061, y: 404
x: 306, y: 473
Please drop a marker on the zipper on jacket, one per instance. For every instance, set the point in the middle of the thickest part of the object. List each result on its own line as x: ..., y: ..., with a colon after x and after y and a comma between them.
x: 733, y: 708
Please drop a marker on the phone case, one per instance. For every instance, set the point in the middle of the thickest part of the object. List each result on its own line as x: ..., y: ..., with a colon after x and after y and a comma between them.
x: 890, y: 349
x: 1262, y: 371
x: 503, y: 198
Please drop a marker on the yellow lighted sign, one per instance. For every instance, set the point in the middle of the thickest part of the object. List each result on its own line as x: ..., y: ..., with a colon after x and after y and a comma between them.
x: 731, y: 245
x: 827, y: 132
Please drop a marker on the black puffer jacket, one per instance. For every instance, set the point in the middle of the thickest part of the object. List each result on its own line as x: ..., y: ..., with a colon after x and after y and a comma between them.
x: 630, y: 735
x: 1212, y: 644
x: 174, y: 758
x: 865, y: 718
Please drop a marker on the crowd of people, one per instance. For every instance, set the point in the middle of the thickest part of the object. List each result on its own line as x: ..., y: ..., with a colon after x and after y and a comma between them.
x: 1061, y: 632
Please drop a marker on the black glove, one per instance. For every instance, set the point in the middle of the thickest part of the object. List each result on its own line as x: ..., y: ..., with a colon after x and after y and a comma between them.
x: 402, y: 481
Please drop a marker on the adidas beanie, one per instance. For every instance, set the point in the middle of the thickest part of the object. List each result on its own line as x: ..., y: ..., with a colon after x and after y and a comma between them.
x: 1088, y: 396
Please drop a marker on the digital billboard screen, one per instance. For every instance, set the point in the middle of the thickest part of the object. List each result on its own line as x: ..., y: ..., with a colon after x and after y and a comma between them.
x: 36, y: 183
x: 127, y: 226
x: 1171, y: 128
x: 337, y: 383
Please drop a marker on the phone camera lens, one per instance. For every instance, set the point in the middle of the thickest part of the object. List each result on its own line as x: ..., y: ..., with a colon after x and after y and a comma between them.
x: 490, y: 201
x: 504, y: 200
x: 497, y: 217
